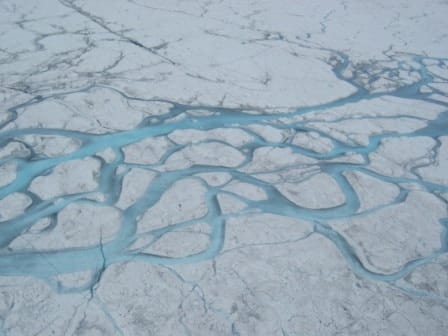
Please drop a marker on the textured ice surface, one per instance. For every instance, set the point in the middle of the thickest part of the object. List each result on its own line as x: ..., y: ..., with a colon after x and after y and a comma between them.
x: 223, y: 167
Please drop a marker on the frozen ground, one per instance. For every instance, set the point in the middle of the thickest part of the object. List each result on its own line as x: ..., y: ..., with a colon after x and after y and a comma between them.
x: 223, y: 167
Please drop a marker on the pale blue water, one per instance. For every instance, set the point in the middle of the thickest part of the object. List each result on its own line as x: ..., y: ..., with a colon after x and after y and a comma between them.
x: 45, y: 264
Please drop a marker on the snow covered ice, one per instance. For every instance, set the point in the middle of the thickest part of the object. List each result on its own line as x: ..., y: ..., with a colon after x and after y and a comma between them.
x: 223, y: 167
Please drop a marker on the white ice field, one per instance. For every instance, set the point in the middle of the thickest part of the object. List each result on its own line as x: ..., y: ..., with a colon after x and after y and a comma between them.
x: 223, y: 168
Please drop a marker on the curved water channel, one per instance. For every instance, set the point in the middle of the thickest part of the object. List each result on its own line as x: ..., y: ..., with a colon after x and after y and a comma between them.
x: 45, y: 264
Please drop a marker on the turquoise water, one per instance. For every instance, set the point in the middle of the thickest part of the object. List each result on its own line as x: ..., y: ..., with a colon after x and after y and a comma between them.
x: 47, y: 264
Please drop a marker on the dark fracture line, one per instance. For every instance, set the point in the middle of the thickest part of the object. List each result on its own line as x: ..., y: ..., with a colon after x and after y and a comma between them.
x: 99, y: 22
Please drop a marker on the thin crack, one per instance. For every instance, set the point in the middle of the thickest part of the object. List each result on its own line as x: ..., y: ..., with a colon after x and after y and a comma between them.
x: 100, y: 272
x: 99, y: 22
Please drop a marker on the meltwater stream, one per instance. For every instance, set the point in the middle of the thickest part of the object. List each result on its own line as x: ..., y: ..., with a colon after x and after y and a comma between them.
x: 46, y: 264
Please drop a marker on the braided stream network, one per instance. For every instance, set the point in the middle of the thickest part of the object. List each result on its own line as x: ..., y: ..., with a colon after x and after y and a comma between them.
x: 46, y: 264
